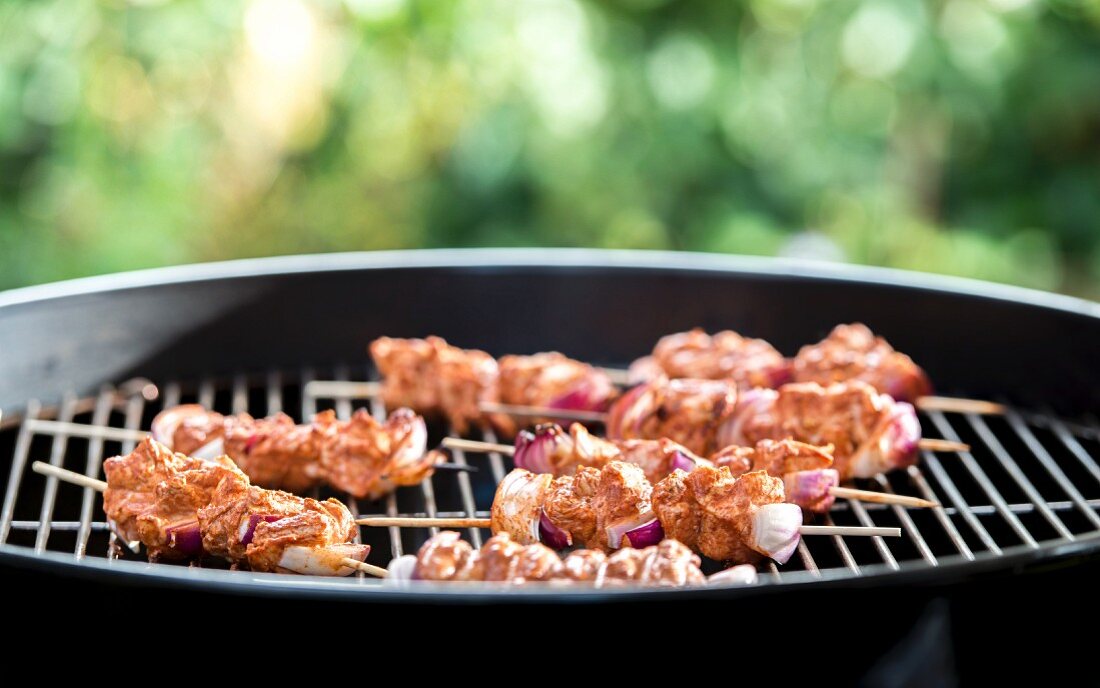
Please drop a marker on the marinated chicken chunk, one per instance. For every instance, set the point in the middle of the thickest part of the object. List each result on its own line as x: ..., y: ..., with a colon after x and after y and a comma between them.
x: 853, y: 352
x: 724, y: 355
x: 445, y: 557
x: 153, y: 490
x: 553, y: 380
x: 689, y: 412
x: 432, y: 377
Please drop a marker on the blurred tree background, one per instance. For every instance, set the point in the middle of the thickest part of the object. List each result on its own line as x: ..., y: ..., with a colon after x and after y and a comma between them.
x: 955, y: 136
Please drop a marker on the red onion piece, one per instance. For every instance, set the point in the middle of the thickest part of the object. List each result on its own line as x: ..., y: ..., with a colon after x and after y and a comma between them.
x: 588, y: 395
x: 743, y: 574
x: 905, y: 434
x: 682, y: 462
x: 322, y: 561
x: 646, y: 535
x: 894, y: 444
x: 749, y: 404
x: 616, y: 532
x: 248, y: 528
x: 210, y: 451
x: 402, y: 570
x: 185, y: 538
x: 775, y: 530
x: 534, y: 451
x: 551, y: 535
x: 165, y: 424
x: 811, y: 489
x: 251, y: 442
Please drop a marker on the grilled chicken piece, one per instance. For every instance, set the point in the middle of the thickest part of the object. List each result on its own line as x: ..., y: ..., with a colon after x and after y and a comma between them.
x: 555, y: 381
x: 806, y: 470
x: 360, y: 456
x: 685, y: 411
x: 153, y: 493
x: 724, y: 355
x: 445, y: 557
x: 715, y: 513
x: 669, y: 563
x: 274, y: 452
x: 432, y: 377
x: 853, y: 352
x: 869, y: 431
x: 369, y: 459
x: 595, y: 507
x: 248, y: 523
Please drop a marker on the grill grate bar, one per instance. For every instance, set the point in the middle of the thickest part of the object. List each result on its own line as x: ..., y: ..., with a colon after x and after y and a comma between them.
x: 983, y: 480
x: 206, y: 393
x: 57, y: 457
x: 941, y: 513
x: 19, y: 461
x: 171, y: 394
x: 1052, y: 468
x: 1075, y: 448
x: 807, y: 559
x: 1013, y: 468
x: 343, y: 412
x: 274, y: 384
x: 496, y: 461
x: 842, y: 549
x: 378, y: 410
x: 92, y: 466
x: 879, y: 542
x: 239, y: 402
x: 459, y: 457
x: 907, y: 523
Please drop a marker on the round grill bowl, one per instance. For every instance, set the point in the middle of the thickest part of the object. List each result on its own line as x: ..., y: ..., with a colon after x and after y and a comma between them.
x: 250, y: 333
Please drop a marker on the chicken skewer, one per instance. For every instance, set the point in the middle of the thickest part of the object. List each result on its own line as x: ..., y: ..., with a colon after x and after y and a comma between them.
x: 870, y: 432
x: 360, y: 456
x: 181, y: 507
x: 446, y: 557
x: 806, y: 470
x: 850, y: 353
x: 722, y: 516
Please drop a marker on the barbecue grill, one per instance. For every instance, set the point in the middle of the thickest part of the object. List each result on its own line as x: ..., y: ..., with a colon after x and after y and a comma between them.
x: 85, y: 365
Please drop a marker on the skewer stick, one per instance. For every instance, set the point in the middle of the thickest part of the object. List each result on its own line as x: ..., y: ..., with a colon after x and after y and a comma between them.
x: 591, y: 416
x: 960, y: 405
x: 43, y: 468
x: 414, y: 522
x: 485, y: 523
x: 337, y: 389
x: 363, y: 566
x: 882, y: 497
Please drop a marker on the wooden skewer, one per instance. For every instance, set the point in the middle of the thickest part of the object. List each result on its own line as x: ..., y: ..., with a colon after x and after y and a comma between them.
x: 387, y: 522
x: 68, y: 476
x: 882, y: 497
x: 414, y: 522
x: 365, y: 567
x: 589, y: 416
x: 960, y: 405
x: 100, y: 486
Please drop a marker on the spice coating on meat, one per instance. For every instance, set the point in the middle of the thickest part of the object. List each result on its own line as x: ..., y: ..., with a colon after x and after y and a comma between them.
x: 552, y: 379
x: 195, y: 430
x: 569, y: 504
x: 369, y: 459
x: 433, y: 377
x: 712, y: 511
x: 446, y: 557
x: 724, y: 355
x: 274, y: 452
x: 853, y: 352
x: 152, y: 488
x: 685, y: 411
x: 282, y: 520
x: 621, y: 503
x: 776, y: 458
x: 669, y: 563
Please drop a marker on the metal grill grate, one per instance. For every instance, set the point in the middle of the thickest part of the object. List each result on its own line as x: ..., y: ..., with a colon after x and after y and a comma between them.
x: 1030, y: 480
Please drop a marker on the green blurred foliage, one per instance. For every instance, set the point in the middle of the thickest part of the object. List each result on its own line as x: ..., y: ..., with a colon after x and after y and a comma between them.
x: 957, y: 136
